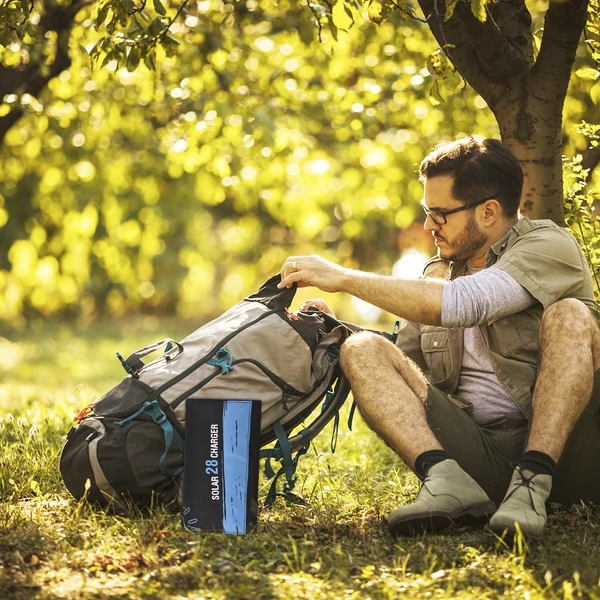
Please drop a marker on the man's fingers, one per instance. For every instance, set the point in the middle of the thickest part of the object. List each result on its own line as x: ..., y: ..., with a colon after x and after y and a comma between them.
x: 318, y: 303
x: 290, y: 266
x: 287, y: 279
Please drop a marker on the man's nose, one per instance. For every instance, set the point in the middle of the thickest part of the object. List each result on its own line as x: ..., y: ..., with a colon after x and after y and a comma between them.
x: 430, y: 225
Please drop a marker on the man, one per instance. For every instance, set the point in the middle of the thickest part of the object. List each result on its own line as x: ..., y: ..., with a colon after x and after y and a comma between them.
x: 504, y: 309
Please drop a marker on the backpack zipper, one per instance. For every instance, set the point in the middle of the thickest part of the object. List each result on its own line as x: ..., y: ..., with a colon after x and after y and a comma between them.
x: 165, y: 386
x: 287, y: 389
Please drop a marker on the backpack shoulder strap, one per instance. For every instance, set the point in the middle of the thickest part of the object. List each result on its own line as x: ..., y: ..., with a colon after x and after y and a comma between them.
x: 289, y: 450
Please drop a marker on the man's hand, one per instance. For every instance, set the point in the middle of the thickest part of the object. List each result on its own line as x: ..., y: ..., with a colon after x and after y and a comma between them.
x: 320, y: 304
x: 312, y: 270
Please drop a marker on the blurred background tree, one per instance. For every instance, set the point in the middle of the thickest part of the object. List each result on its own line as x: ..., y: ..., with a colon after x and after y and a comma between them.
x: 167, y: 158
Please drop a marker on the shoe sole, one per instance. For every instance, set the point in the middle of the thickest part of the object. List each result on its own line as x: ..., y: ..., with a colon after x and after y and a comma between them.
x: 436, y: 521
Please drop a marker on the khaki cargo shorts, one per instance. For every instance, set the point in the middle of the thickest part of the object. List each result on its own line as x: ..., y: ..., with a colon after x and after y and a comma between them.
x: 487, y: 452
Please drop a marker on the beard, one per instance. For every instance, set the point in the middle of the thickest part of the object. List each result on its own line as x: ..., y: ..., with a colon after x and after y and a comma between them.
x: 465, y: 245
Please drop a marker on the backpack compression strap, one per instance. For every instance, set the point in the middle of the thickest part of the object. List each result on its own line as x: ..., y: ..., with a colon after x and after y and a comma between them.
x: 155, y: 412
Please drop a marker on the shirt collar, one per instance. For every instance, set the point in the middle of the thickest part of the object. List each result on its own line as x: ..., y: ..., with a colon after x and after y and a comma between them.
x: 498, y: 248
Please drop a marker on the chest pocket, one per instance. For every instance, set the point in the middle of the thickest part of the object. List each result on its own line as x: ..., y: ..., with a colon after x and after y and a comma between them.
x: 510, y: 334
x: 435, y: 346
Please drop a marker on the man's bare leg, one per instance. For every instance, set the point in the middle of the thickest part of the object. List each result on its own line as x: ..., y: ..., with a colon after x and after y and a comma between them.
x: 390, y: 392
x: 569, y: 357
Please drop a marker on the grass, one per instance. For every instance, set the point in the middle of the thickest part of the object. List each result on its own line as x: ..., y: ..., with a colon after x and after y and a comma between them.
x: 337, y: 547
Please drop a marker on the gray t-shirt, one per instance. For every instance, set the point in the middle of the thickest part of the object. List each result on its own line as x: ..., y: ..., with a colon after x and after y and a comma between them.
x: 467, y: 302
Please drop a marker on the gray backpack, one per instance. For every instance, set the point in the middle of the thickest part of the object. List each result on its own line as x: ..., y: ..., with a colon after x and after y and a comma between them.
x: 127, y: 447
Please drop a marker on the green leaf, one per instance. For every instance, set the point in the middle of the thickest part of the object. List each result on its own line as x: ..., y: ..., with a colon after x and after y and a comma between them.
x: 333, y: 28
x: 111, y: 26
x: 5, y: 36
x: 435, y: 93
x: 587, y: 73
x: 111, y: 54
x: 170, y: 45
x: 349, y: 12
x: 159, y: 8
x: 478, y: 8
x: 450, y: 6
x: 436, y: 62
x: 378, y: 11
x: 156, y: 27
x: 342, y: 16
x: 102, y: 14
x: 133, y: 59
x: 150, y: 60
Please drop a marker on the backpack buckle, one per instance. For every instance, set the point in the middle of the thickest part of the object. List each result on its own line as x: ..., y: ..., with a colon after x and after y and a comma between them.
x: 158, y: 416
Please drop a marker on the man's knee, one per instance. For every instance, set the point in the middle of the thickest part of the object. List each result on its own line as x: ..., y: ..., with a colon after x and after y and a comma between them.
x: 363, y: 348
x: 367, y: 355
x: 570, y: 316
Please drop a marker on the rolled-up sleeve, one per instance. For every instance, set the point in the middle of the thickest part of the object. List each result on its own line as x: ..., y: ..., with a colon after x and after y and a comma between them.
x: 549, y: 264
x: 485, y: 296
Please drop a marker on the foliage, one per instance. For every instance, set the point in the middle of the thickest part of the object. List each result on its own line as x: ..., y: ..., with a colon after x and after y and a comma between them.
x: 53, y: 547
x: 581, y: 213
x: 187, y: 186
x: 182, y: 176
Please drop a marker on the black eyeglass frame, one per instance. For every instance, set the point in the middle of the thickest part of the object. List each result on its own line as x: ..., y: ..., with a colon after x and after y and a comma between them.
x: 445, y: 213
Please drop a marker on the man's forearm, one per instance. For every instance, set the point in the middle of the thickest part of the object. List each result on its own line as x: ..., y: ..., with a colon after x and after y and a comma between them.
x: 418, y: 300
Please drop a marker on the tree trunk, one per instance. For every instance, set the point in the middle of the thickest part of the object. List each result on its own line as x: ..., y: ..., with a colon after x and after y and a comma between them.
x: 525, y: 92
x: 532, y: 129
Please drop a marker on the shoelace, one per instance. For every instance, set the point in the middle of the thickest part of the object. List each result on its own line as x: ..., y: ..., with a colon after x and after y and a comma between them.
x: 525, y: 482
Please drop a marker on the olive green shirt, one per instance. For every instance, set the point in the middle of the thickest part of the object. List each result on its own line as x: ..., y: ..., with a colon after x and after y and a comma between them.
x: 548, y: 262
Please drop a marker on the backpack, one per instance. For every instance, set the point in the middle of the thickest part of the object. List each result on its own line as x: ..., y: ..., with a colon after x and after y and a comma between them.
x: 127, y: 447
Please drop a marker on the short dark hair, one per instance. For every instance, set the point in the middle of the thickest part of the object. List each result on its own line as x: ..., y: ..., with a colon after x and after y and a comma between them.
x: 480, y: 167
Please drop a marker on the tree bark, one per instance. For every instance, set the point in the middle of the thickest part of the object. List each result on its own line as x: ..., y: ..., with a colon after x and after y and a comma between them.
x: 525, y: 93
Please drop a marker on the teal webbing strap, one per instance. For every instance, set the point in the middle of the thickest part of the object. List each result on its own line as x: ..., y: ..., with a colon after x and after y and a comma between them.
x: 300, y: 444
x: 286, y: 453
x: 351, y: 415
x: 159, y: 417
x: 329, y: 396
x: 178, y: 441
x: 171, y: 435
x: 334, y: 434
x: 142, y: 410
x: 268, y: 455
x: 283, y: 452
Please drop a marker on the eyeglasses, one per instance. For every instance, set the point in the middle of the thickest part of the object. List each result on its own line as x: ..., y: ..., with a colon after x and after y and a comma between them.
x: 439, y: 216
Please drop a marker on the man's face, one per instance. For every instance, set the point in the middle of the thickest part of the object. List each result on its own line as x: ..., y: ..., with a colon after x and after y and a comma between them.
x: 461, y: 237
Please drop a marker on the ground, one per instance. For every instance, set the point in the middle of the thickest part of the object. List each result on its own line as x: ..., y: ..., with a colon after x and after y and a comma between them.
x: 336, y: 547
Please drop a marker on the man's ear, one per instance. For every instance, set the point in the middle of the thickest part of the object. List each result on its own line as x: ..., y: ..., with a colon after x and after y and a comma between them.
x: 492, y: 211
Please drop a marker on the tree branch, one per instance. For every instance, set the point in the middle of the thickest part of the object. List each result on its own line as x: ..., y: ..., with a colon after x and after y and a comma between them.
x: 486, y: 54
x: 34, y: 77
x: 563, y: 27
x: 408, y: 13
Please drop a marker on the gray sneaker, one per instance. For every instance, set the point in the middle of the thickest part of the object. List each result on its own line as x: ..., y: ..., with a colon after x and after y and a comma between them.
x: 524, y: 504
x: 449, y: 495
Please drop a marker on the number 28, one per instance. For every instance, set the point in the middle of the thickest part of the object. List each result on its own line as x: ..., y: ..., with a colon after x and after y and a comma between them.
x: 211, y: 467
